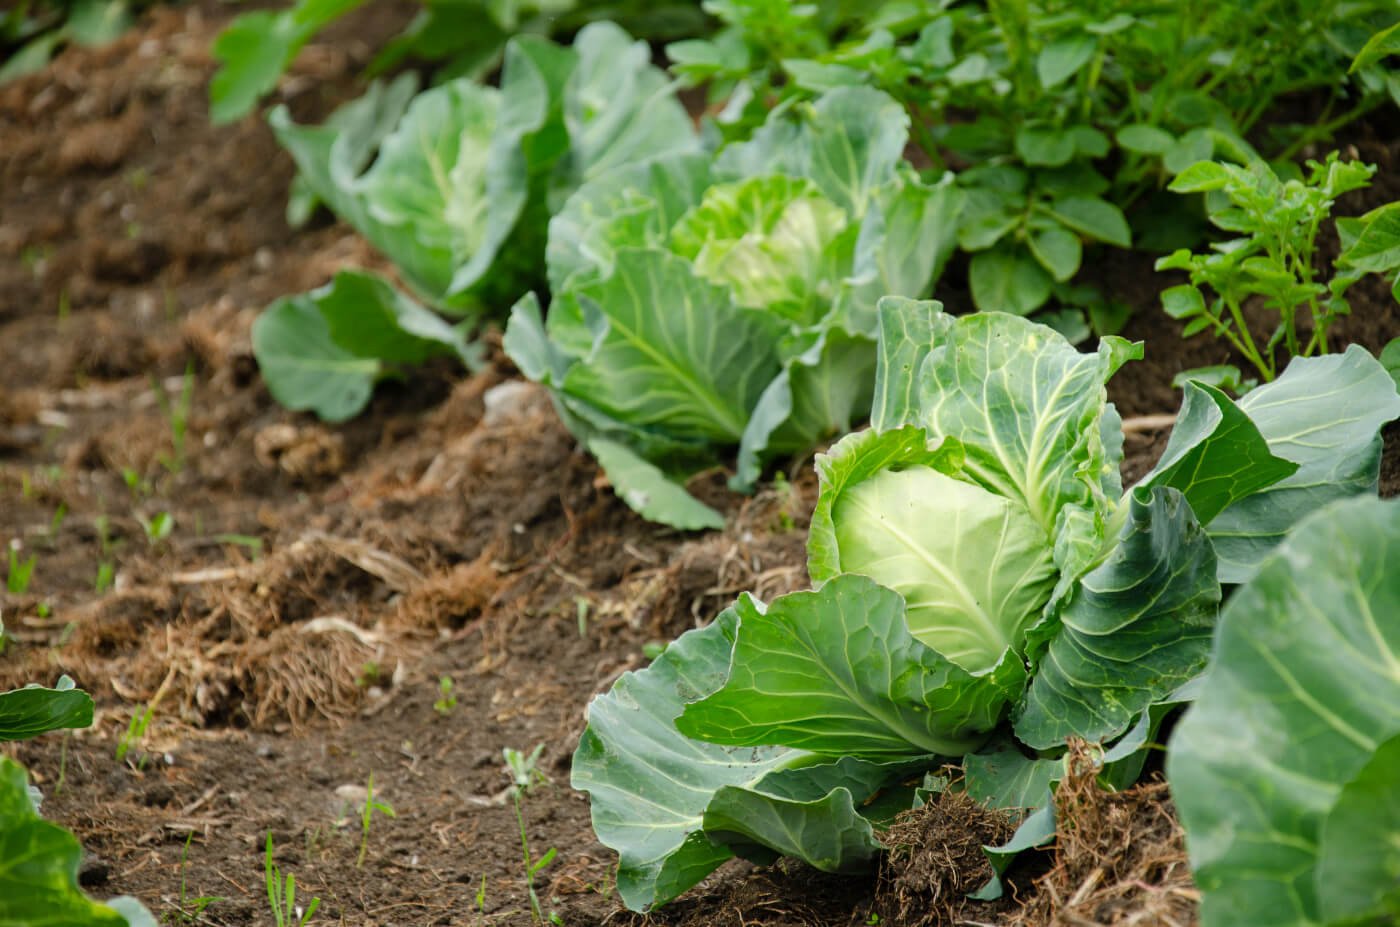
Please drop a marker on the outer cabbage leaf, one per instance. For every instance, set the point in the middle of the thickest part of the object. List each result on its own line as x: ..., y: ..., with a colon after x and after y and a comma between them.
x: 618, y: 109
x: 461, y: 185
x: 1358, y: 865
x: 671, y: 351
x: 1137, y: 627
x: 822, y: 392
x: 1215, y: 455
x: 635, y: 205
x: 1323, y: 414
x: 836, y: 671
x: 647, y: 492
x: 1303, y: 689
x: 423, y: 202
x: 848, y: 142
x: 649, y: 785
x: 675, y: 808
x: 35, y: 710
x: 905, y: 241
x: 39, y: 868
x: 325, y: 350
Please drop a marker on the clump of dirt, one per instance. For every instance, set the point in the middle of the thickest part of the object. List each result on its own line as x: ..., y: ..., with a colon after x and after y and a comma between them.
x: 1120, y: 857
x: 935, y: 861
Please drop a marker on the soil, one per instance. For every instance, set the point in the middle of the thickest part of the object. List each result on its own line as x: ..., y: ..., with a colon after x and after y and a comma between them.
x: 400, y: 597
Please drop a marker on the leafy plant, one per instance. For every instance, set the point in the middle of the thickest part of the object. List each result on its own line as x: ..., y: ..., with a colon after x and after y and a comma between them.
x: 158, y: 527
x: 21, y: 571
x: 525, y: 775
x: 177, y: 416
x: 32, y: 31
x: 1284, y: 770
x: 1065, y: 114
x: 39, y: 867
x: 701, y: 303
x: 1274, y: 259
x: 984, y: 590
x: 457, y: 197
x: 446, y: 701
x: 466, y: 37
x: 191, y: 910
x: 135, y: 732
x: 282, y: 894
x: 366, y: 815
x: 34, y: 710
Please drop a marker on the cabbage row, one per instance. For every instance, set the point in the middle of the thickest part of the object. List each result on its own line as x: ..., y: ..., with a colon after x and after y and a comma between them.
x: 984, y: 589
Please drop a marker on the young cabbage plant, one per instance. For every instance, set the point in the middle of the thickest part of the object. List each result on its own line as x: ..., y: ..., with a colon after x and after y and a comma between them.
x: 39, y: 862
x: 455, y: 185
x: 702, y: 303
x: 1285, y: 769
x: 984, y: 590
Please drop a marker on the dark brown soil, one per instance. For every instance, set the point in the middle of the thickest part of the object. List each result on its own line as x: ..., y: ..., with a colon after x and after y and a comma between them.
x: 291, y: 634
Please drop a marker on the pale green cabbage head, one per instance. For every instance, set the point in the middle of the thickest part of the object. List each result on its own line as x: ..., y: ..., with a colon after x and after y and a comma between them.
x: 974, y: 568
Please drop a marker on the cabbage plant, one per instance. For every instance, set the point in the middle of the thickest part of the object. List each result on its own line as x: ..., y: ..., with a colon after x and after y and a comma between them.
x: 38, y: 859
x: 455, y: 185
x: 984, y: 589
x: 706, y: 302
x: 1285, y: 771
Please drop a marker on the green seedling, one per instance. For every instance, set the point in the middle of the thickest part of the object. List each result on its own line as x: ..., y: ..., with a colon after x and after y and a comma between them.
x: 369, y: 675
x: 56, y: 522
x: 158, y: 528
x: 190, y: 910
x: 446, y: 700
x: 105, y: 572
x: 21, y: 571
x: 135, y: 730
x: 526, y: 775
x: 139, y: 486
x: 481, y: 896
x: 366, y: 814
x: 177, y: 416
x: 582, y: 606
x: 282, y: 894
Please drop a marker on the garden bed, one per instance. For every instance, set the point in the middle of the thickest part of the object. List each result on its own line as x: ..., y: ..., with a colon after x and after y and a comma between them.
x: 291, y: 632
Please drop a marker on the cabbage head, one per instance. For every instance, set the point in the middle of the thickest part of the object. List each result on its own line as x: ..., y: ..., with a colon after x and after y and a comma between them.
x: 702, y: 303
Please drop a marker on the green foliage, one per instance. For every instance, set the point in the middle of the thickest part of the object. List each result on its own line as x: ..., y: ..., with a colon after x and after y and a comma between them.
x: 446, y: 701
x: 325, y: 350
x: 1274, y: 257
x: 32, y: 31
x: 984, y: 589
x: 1284, y: 771
x: 38, y: 860
x: 366, y: 816
x: 464, y: 38
x: 34, y: 710
x: 701, y: 303
x: 1068, y: 113
x: 257, y: 47
x: 463, y: 179
x: 20, y: 572
x: 282, y: 893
